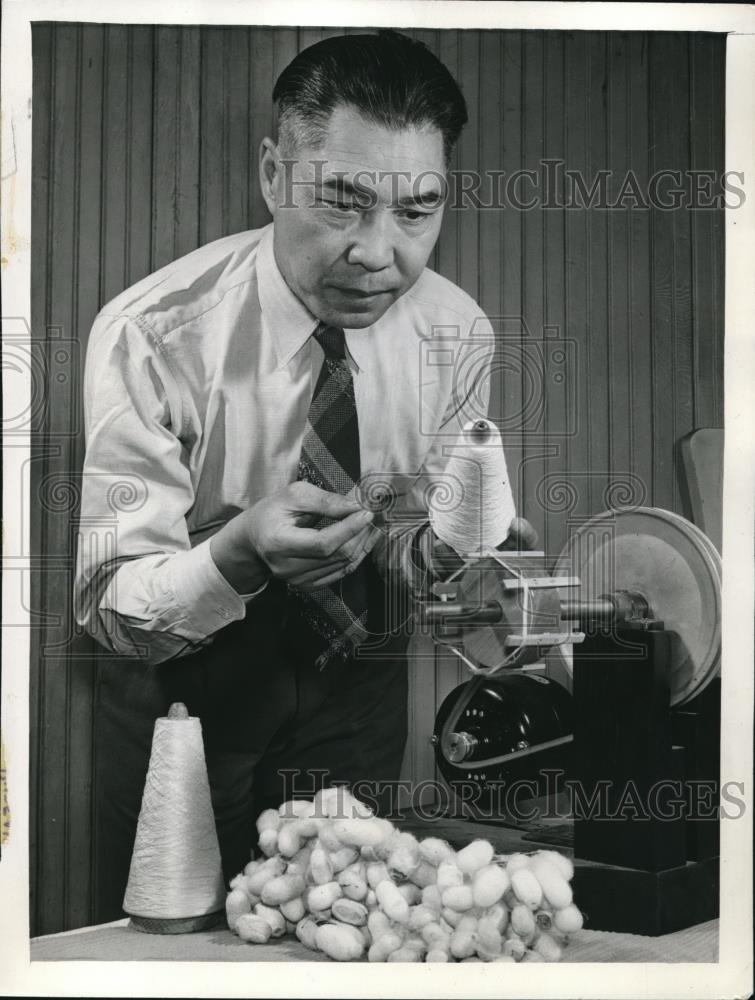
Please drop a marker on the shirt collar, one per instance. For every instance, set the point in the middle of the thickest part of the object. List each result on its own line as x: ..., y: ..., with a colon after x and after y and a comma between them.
x: 288, y: 319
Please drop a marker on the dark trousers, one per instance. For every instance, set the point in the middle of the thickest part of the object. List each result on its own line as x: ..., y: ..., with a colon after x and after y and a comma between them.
x: 274, y: 727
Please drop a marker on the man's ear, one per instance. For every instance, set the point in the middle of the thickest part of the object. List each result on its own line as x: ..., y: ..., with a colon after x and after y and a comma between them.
x: 269, y: 174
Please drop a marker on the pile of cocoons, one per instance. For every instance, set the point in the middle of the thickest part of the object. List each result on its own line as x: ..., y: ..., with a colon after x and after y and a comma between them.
x: 354, y: 887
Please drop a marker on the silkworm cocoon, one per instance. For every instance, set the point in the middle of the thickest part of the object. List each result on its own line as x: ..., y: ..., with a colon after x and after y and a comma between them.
x: 468, y: 922
x: 289, y: 841
x: 392, y: 903
x: 436, y: 955
x: 377, y: 872
x: 555, y: 888
x: 383, y: 946
x: 321, y: 916
x: 488, y: 936
x: 450, y: 916
x: 238, y: 882
x: 254, y: 929
x: 435, y: 936
x: 416, y: 943
x: 268, y: 819
x: 370, y: 900
x: 404, y: 857
x: 515, y: 948
x: 236, y: 905
x: 522, y: 921
x: 568, y: 920
x: 458, y: 897
x: 564, y: 864
x: 434, y: 850
x: 474, y: 856
x: 282, y: 889
x: 322, y: 897
x: 550, y: 949
x: 411, y: 893
x: 274, y: 917
x: 544, y: 919
x: 352, y: 883
x: 272, y: 868
x: 445, y: 926
x: 517, y: 862
x: 378, y: 923
x: 527, y: 888
x: 349, y: 912
x: 306, y: 930
x: 424, y: 874
x: 358, y: 933
x: 343, y: 858
x: 254, y: 865
x: 497, y: 915
x: 320, y: 868
x: 337, y: 943
x: 327, y: 837
x: 339, y: 803
x: 268, y: 841
x: 405, y: 954
x: 462, y: 944
x: 293, y: 910
x: 299, y: 864
x: 431, y: 897
x: 294, y: 808
x: 308, y: 826
x: 419, y: 916
x: 448, y: 874
x: 533, y: 956
x: 489, y: 884
x: 485, y: 955
x: 362, y: 832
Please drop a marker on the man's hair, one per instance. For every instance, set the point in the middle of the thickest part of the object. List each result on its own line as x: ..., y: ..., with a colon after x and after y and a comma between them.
x: 388, y: 77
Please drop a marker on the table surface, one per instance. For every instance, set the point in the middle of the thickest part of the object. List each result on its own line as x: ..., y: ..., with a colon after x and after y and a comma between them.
x: 118, y: 941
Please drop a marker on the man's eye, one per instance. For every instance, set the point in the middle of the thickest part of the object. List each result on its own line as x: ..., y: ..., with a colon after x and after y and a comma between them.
x: 339, y: 206
x: 412, y: 216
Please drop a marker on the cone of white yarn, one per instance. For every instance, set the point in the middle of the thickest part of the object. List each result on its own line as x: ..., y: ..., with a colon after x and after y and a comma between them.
x: 474, y: 508
x: 176, y: 880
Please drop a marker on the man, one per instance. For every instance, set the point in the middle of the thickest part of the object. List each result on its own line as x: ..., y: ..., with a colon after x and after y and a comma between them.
x: 239, y: 404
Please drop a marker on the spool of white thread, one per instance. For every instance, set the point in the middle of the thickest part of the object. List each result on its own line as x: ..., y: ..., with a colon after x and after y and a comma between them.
x: 176, y: 882
x: 474, y: 509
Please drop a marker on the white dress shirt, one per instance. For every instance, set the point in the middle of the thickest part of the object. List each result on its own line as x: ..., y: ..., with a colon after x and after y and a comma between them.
x: 197, y: 386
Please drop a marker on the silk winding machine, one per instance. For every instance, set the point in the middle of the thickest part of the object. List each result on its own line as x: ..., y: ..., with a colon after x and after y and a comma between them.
x: 632, y: 609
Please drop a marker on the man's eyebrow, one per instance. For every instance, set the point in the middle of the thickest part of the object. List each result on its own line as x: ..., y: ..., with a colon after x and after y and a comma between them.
x: 427, y: 198
x: 341, y: 186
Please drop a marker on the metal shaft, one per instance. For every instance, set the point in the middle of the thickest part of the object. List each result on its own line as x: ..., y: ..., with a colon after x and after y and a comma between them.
x: 599, y: 608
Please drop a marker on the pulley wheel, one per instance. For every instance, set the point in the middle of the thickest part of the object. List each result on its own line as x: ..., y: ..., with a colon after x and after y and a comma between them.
x: 673, y: 565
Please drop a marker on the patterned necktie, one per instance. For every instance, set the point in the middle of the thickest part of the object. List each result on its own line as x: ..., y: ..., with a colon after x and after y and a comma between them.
x: 330, y: 460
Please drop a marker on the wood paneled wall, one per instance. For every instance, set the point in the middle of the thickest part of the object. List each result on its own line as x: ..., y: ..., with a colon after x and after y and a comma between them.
x: 145, y: 143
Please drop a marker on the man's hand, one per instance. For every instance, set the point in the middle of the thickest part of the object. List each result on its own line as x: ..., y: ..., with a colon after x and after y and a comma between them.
x: 276, y: 536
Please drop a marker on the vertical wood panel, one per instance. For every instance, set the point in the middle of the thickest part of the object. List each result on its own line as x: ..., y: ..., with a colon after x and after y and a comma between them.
x: 145, y: 146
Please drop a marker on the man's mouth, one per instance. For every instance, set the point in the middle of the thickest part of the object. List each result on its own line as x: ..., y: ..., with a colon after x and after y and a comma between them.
x: 360, y: 293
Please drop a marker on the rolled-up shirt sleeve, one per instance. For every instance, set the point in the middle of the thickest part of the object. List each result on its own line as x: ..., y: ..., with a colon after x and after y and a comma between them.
x: 140, y: 588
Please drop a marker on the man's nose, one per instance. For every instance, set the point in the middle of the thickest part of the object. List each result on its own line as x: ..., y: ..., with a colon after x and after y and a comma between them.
x: 373, y: 246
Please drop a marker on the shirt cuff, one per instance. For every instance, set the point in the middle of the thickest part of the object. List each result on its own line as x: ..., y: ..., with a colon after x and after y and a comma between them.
x: 208, y: 600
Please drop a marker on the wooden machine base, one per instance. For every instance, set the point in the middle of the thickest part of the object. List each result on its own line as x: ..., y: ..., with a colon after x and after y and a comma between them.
x: 650, y: 903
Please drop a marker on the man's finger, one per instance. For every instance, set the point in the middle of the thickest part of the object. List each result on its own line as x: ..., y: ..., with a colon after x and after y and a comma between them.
x: 309, y: 499
x: 326, y: 541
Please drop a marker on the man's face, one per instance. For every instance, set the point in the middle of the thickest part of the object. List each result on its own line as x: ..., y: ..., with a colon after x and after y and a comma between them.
x: 355, y: 219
